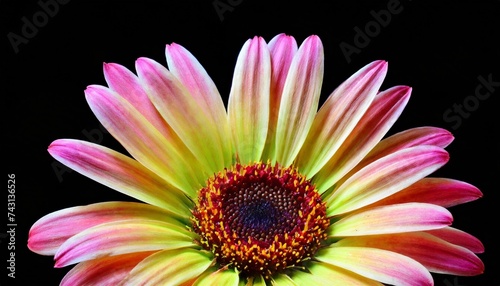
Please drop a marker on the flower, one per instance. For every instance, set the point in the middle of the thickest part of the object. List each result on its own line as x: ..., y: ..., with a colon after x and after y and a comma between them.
x: 273, y: 191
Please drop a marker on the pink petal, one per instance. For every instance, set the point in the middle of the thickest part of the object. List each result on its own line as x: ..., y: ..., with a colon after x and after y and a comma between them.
x: 127, y: 85
x: 412, y: 137
x: 385, y: 177
x: 120, y: 173
x: 282, y: 49
x: 186, y: 117
x: 248, y: 107
x: 409, y: 138
x: 185, y: 67
x: 380, y: 116
x: 122, y: 237
x: 49, y: 232
x: 103, y: 271
x: 438, y: 191
x: 170, y: 267
x: 392, y: 219
x: 435, y: 254
x: 339, y: 115
x: 300, y: 99
x: 459, y: 238
x: 144, y: 142
x: 377, y: 264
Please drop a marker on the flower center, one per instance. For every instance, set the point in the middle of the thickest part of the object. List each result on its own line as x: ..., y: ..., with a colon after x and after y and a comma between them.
x: 260, y: 218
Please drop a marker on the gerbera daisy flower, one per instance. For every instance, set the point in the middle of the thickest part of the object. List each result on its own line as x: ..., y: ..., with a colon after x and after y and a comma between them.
x: 272, y: 191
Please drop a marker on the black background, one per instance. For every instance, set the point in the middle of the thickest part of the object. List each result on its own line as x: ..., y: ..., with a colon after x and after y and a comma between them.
x: 438, y: 49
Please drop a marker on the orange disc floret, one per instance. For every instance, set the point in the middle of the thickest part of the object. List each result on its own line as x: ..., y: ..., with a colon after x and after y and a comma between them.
x: 260, y: 218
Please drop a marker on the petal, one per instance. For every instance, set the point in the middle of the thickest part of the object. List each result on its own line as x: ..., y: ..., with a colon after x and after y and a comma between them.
x: 339, y: 115
x: 169, y: 267
x: 385, y: 177
x: 392, y: 219
x: 127, y: 85
x: 120, y: 173
x: 377, y: 264
x: 435, y: 254
x: 300, y: 99
x: 380, y: 116
x: 409, y: 138
x: 103, y: 271
x: 282, y: 49
x: 282, y: 280
x: 305, y: 278
x: 439, y: 191
x: 459, y: 238
x: 248, y: 107
x: 341, y: 276
x: 221, y: 277
x: 425, y: 135
x: 196, y: 80
x: 184, y: 114
x: 257, y: 280
x: 121, y: 237
x: 51, y: 231
x: 145, y: 143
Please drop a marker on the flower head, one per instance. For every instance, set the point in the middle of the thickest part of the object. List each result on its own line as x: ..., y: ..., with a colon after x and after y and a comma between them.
x: 271, y: 191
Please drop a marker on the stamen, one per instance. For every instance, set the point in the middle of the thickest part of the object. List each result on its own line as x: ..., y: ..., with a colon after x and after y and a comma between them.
x: 260, y: 218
